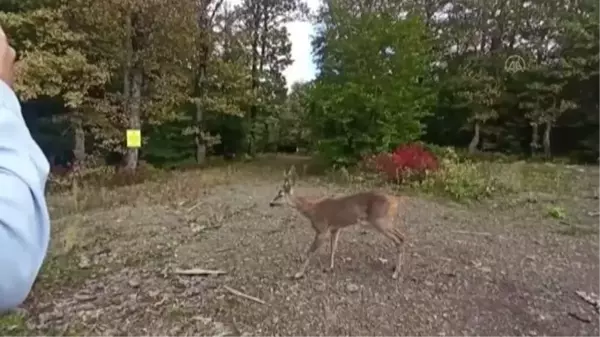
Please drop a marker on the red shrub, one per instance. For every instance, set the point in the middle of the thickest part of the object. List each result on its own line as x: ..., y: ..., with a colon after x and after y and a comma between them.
x: 406, y: 162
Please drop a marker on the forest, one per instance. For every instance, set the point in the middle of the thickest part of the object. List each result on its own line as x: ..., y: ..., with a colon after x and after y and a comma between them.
x: 203, y: 79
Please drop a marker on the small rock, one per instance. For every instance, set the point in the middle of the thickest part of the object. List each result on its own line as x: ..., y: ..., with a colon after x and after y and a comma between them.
x: 275, y: 320
x: 204, y: 320
x: 153, y: 293
x: 428, y: 283
x: 134, y: 283
x: 320, y: 287
x: 84, y: 262
x: 219, y: 329
x: 351, y: 287
x: 197, y: 229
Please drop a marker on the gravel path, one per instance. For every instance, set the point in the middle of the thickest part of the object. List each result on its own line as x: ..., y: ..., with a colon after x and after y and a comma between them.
x: 477, y: 271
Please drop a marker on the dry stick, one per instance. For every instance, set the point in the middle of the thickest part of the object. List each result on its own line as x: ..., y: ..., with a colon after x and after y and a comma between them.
x: 590, y: 299
x: 474, y: 233
x: 199, y: 271
x: 579, y: 317
x: 241, y: 294
x: 194, y: 207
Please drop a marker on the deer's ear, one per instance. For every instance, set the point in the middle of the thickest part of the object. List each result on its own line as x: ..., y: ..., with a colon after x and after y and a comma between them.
x: 292, y: 170
x: 292, y: 174
x: 286, y: 185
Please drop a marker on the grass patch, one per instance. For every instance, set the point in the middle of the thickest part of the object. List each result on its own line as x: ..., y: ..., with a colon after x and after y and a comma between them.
x: 64, y: 270
x: 13, y: 324
x: 99, y: 189
x: 557, y: 212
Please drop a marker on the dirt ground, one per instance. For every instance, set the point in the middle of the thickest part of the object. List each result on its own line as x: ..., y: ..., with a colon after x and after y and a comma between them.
x: 497, y: 268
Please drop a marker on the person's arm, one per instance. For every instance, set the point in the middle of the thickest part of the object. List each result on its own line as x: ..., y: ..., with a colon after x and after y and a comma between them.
x: 24, y: 220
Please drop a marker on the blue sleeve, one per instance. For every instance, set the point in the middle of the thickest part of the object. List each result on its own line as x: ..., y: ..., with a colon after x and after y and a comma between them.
x: 24, y: 220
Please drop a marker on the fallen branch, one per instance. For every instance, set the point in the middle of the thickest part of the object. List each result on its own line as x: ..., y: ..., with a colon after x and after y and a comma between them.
x: 590, y: 299
x: 194, y: 207
x: 580, y: 317
x: 472, y: 233
x: 198, y: 271
x: 222, y: 250
x: 241, y: 294
x: 84, y: 297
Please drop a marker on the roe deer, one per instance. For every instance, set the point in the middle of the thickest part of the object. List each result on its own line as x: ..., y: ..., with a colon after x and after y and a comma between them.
x: 329, y: 215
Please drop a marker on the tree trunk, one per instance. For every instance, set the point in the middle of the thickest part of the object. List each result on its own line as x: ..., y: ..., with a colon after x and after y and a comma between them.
x: 476, y: 137
x: 200, y: 144
x: 257, y: 10
x: 535, y: 139
x: 79, y: 140
x: 134, y: 122
x: 200, y: 93
x: 128, y: 46
x: 133, y: 84
x: 546, y: 141
x: 204, y: 45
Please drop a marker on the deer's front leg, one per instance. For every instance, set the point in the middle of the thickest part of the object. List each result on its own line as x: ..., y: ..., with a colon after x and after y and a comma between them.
x: 335, y: 234
x: 318, y: 241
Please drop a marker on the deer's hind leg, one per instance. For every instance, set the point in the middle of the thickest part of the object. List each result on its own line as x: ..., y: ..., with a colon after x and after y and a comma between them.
x: 387, y: 228
x: 318, y: 241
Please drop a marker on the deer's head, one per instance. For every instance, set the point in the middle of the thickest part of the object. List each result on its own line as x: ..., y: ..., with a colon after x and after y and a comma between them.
x: 286, y: 190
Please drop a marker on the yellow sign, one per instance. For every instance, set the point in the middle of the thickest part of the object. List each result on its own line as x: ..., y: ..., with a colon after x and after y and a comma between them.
x: 134, y: 138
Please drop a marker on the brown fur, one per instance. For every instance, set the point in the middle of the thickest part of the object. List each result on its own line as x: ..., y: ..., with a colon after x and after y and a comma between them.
x: 329, y: 215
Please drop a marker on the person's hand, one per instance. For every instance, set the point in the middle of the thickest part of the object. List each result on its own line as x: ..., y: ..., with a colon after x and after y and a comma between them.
x: 7, y: 60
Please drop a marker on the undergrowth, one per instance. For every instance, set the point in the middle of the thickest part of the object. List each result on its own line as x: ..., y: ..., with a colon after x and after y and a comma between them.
x: 444, y: 172
x: 427, y: 169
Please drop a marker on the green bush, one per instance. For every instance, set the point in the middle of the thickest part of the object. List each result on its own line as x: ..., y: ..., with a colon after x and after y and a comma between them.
x: 462, y: 179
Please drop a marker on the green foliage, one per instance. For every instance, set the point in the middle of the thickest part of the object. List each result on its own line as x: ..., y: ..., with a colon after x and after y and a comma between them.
x: 167, y: 146
x: 51, y: 64
x: 371, y: 94
x: 292, y: 125
x: 13, y: 324
x: 206, y: 78
x: 465, y: 180
x: 462, y: 178
x: 556, y: 212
